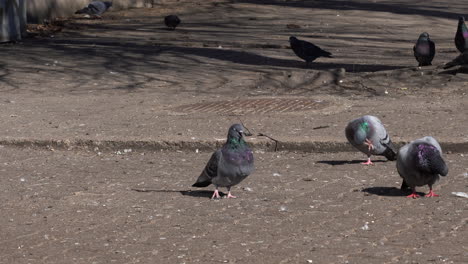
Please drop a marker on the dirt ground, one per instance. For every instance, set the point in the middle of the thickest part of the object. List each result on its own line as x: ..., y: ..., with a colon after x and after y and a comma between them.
x: 101, y: 120
x: 137, y: 207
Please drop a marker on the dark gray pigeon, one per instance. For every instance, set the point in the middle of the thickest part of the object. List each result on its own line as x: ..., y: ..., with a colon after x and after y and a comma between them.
x: 461, y: 37
x: 307, y: 51
x: 368, y: 135
x: 229, y: 165
x: 171, y: 21
x: 95, y: 8
x: 419, y: 163
x: 424, y: 50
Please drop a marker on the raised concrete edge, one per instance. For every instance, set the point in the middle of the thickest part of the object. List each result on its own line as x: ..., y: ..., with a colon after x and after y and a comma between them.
x: 142, y: 145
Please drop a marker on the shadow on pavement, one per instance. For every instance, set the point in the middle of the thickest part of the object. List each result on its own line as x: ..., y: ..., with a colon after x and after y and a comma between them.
x: 387, y: 191
x: 344, y: 162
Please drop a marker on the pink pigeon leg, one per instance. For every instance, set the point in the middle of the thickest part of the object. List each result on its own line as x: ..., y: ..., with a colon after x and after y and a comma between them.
x: 216, y: 194
x: 230, y: 195
x: 368, y: 162
x: 414, y: 195
x: 431, y: 193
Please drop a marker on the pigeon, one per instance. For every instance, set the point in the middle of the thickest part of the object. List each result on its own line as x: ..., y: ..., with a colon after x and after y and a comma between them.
x: 171, y: 21
x: 461, y: 59
x: 461, y: 37
x: 419, y: 163
x: 95, y: 8
x: 368, y: 135
x: 424, y: 50
x: 229, y: 165
x: 307, y: 51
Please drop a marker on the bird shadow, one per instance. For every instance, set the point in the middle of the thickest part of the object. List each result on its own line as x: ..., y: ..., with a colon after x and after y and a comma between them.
x: 200, y: 193
x: 388, y: 191
x: 192, y: 193
x: 344, y: 162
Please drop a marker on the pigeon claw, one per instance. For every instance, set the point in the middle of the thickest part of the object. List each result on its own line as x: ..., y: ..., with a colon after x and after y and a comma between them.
x: 431, y: 194
x: 414, y: 195
x: 368, y: 162
x: 369, y: 144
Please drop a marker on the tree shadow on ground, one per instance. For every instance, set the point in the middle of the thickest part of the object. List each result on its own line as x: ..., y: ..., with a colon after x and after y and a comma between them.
x: 401, y: 7
x: 388, y: 191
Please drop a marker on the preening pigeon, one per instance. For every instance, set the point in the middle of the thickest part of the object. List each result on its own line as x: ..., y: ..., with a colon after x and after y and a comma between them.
x: 95, y: 8
x: 229, y: 165
x: 461, y: 37
x: 424, y: 50
x: 368, y: 135
x: 171, y: 21
x: 307, y: 51
x: 419, y: 163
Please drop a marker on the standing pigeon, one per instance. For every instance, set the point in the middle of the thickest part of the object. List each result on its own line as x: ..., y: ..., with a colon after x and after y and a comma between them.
x: 229, y: 165
x: 171, y: 21
x: 424, y: 50
x: 95, y: 8
x: 368, y: 135
x: 419, y: 163
x: 307, y: 51
x: 461, y: 37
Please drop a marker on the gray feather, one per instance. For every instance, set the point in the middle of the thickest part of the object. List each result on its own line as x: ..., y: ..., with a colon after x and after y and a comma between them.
x: 420, y: 162
x: 210, y: 171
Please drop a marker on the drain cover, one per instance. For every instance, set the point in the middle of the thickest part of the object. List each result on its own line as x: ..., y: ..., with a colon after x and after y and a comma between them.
x: 276, y: 105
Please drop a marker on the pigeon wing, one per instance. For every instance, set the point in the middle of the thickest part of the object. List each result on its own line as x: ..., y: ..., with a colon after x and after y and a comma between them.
x: 210, y: 171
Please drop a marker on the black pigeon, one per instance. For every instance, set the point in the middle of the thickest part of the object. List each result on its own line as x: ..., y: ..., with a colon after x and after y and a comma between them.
x: 171, y: 21
x: 424, y: 50
x: 461, y: 37
x: 307, y: 51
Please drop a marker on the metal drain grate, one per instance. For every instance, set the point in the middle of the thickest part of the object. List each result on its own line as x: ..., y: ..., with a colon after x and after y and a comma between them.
x: 277, y: 105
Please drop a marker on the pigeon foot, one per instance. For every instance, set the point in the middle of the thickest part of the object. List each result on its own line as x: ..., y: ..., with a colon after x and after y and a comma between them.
x: 431, y: 194
x: 369, y: 144
x: 231, y: 196
x: 368, y: 162
x: 215, y: 195
x: 413, y: 195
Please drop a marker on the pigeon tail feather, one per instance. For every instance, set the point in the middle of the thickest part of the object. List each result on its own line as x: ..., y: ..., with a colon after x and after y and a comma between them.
x: 391, y: 151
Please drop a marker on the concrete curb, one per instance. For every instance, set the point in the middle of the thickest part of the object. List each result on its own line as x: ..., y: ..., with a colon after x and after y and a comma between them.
x: 137, y: 145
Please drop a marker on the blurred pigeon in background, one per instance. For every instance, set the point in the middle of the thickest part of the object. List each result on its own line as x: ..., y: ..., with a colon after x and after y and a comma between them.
x: 171, y: 21
x: 229, y: 165
x: 419, y: 163
x: 461, y: 37
x: 368, y: 135
x: 95, y: 8
x: 307, y: 51
x: 424, y: 50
